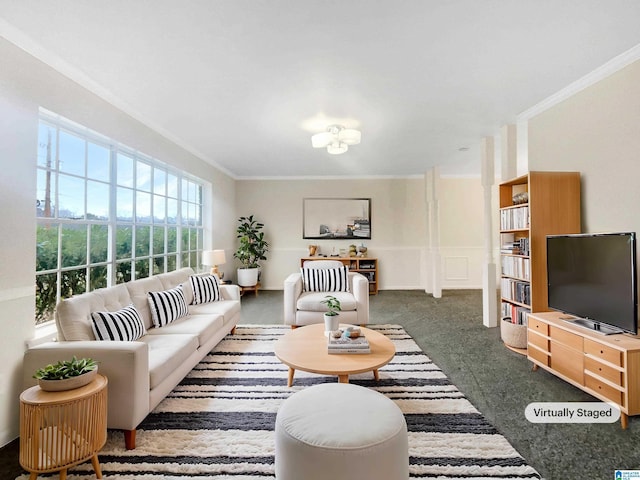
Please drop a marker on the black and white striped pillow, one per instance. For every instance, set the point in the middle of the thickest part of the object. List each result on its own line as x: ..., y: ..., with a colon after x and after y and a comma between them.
x: 325, y: 279
x: 167, y: 306
x: 205, y: 289
x: 125, y: 324
x: 312, y: 279
x: 336, y: 279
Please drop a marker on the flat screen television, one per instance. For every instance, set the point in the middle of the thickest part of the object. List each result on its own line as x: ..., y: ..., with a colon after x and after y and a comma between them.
x: 593, y: 277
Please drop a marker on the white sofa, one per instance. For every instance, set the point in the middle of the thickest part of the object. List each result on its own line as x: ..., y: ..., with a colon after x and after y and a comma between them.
x: 142, y: 372
x: 306, y: 308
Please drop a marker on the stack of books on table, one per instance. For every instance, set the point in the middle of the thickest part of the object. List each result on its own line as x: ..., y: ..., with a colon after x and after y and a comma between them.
x: 348, y: 345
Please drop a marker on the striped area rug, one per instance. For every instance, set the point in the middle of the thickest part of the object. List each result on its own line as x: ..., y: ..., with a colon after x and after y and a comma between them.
x: 219, y: 422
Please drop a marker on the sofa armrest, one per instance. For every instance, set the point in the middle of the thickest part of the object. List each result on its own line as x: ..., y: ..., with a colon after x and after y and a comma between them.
x: 125, y: 364
x: 230, y: 292
x: 360, y: 289
x: 292, y: 290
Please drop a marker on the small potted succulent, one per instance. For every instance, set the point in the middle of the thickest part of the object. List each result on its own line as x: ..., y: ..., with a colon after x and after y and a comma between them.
x: 331, y: 321
x: 67, y: 374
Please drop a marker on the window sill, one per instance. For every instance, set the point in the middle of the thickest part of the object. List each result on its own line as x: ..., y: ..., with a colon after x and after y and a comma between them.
x: 44, y: 333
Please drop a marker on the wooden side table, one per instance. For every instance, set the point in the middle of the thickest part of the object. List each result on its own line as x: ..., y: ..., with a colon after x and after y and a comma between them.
x: 61, y: 429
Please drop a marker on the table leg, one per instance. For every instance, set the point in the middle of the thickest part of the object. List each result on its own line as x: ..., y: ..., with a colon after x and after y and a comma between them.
x: 96, y: 465
x: 290, y: 379
x: 376, y: 376
x: 343, y: 378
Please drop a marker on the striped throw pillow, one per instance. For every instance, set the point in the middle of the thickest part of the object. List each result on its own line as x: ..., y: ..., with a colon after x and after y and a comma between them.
x: 325, y: 279
x: 336, y: 279
x: 125, y: 324
x: 312, y: 279
x: 167, y: 306
x: 205, y: 289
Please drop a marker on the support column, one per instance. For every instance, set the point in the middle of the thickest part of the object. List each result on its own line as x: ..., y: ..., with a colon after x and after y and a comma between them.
x: 508, y: 164
x: 434, y: 270
x: 489, y: 291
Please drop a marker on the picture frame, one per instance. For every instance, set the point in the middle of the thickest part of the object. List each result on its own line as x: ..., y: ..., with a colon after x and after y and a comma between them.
x: 336, y: 218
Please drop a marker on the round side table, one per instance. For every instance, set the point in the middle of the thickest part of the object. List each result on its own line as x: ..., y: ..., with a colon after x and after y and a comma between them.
x: 61, y: 429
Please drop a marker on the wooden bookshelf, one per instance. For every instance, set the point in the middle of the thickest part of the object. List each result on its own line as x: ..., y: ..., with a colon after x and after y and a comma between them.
x: 364, y: 265
x: 551, y: 205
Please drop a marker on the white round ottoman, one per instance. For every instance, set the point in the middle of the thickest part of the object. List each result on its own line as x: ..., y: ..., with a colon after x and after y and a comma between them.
x: 340, y: 431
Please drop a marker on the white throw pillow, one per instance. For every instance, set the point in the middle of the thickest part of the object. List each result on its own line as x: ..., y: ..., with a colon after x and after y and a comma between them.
x: 167, y: 306
x: 205, y: 289
x: 125, y: 324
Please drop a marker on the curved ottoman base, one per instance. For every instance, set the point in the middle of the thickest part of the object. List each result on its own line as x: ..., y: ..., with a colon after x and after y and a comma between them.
x: 340, y: 431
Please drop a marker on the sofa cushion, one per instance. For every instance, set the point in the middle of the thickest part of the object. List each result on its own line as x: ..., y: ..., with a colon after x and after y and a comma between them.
x: 125, y: 324
x: 167, y: 306
x: 73, y: 315
x: 167, y: 353
x: 312, y: 301
x: 205, y: 289
x: 202, y: 326
x: 139, y: 289
x: 228, y: 309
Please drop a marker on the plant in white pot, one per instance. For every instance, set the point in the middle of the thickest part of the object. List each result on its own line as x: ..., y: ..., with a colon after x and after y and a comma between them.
x: 331, y: 320
x: 252, y: 249
x: 67, y: 374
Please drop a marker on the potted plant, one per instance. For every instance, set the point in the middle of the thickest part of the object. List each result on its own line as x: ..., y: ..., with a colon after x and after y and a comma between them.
x: 252, y: 249
x: 331, y: 321
x: 67, y: 374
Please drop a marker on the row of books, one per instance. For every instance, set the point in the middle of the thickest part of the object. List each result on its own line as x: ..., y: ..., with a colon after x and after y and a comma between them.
x: 518, y: 315
x: 348, y: 345
x: 519, y: 267
x: 516, y: 290
x: 518, y: 247
x: 514, y: 218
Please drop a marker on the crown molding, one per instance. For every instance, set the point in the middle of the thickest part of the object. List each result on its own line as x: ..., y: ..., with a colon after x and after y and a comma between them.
x: 612, y: 66
x: 36, y: 50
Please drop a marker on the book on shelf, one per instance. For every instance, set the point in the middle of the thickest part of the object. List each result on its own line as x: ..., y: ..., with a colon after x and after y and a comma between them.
x: 348, y: 345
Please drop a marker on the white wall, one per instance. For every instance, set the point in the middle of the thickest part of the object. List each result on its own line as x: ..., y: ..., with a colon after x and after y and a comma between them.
x: 26, y: 84
x: 398, y: 224
x: 597, y: 133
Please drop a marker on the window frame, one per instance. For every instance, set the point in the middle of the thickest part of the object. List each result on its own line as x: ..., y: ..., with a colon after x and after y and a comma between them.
x: 142, y: 262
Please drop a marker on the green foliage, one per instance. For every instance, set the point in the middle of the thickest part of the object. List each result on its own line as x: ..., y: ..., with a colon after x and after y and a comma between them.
x: 66, y: 369
x: 73, y: 252
x: 333, y: 305
x: 253, y: 247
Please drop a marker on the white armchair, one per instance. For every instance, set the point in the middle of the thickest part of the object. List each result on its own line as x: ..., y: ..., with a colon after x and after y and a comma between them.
x: 305, y: 307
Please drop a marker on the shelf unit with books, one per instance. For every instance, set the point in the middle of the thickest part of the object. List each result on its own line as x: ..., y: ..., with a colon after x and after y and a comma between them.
x: 366, y: 266
x: 532, y: 206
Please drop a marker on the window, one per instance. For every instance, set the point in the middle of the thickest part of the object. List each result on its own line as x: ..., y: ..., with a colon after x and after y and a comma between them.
x: 107, y: 214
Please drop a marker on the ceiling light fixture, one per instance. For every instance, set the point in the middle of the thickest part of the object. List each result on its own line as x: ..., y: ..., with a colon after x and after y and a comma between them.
x: 336, y: 139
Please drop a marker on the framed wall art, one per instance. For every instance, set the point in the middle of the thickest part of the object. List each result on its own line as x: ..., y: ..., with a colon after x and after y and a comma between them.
x: 336, y: 218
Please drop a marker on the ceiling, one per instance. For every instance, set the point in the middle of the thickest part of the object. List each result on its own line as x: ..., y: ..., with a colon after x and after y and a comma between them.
x: 245, y: 83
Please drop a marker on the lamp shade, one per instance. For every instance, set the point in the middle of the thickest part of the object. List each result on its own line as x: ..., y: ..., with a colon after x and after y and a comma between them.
x: 213, y: 257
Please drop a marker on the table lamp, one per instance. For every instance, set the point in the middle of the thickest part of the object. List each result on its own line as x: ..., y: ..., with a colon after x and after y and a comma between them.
x: 213, y: 258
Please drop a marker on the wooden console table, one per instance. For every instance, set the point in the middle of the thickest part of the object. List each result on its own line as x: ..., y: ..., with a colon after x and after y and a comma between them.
x: 61, y: 429
x: 605, y: 366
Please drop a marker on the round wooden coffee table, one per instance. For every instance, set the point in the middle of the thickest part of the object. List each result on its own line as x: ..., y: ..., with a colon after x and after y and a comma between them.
x: 305, y: 348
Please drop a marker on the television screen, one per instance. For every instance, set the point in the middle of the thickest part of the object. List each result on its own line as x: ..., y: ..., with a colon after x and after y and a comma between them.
x: 593, y: 276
